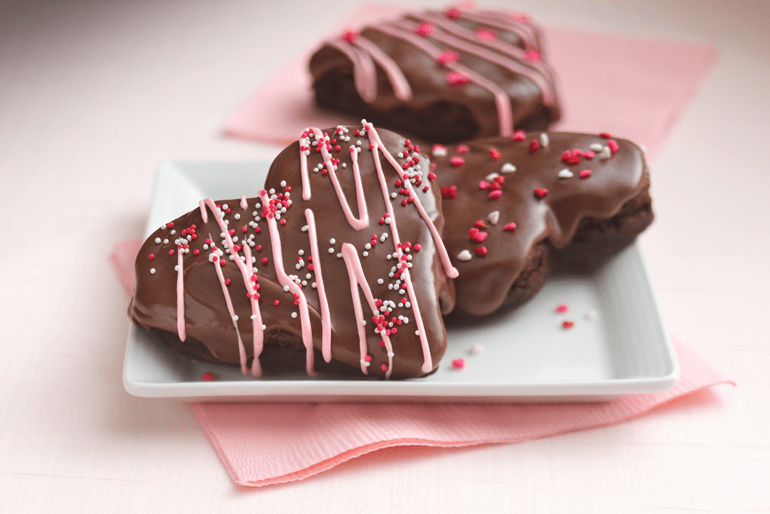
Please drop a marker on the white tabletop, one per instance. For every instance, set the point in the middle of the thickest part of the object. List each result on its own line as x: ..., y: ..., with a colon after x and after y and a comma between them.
x: 94, y: 95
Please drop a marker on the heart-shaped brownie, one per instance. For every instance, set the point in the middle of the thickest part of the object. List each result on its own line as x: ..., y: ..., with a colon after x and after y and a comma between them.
x: 338, y: 260
x: 513, y: 203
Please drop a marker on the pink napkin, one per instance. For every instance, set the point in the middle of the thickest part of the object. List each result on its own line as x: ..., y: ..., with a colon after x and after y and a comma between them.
x: 631, y: 88
x: 264, y: 444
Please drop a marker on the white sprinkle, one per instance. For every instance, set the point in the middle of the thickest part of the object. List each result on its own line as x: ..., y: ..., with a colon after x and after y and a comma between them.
x: 439, y: 151
x: 293, y: 314
x: 393, y: 195
x: 205, y: 247
x: 417, y: 332
x: 152, y: 271
x: 368, y: 246
x: 332, y: 241
x: 391, y: 354
x: 176, y: 268
x: 313, y: 285
x: 544, y: 140
x: 363, y: 322
x: 596, y: 147
x: 606, y: 153
x: 225, y: 207
x: 286, y: 288
x: 264, y: 327
x: 157, y: 240
x: 492, y: 176
x: 508, y: 168
x: 272, y: 192
x: 331, y: 250
x: 163, y: 227
x: 380, y: 281
x: 235, y: 317
x: 344, y: 165
x: 165, y: 241
x: 591, y: 315
x: 494, y: 217
x: 308, y: 276
x: 305, y: 228
x: 476, y: 349
x: 283, y: 183
x: 365, y: 254
x: 253, y: 316
x: 339, y: 256
x: 565, y: 173
x: 465, y: 255
x: 237, y: 216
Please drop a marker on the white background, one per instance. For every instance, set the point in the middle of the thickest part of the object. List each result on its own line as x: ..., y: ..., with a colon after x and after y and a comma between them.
x: 93, y: 96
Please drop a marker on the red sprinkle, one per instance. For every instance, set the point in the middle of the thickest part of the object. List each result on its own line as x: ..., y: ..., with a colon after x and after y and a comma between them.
x: 448, y: 57
x: 350, y: 36
x: 227, y: 281
x: 208, y: 376
x: 455, y: 78
x: 614, y: 146
x: 518, y: 136
x: 424, y: 29
x: 277, y: 302
x: 485, y: 34
x: 532, y: 55
x: 170, y: 224
x: 481, y: 251
x: 384, y: 367
x: 171, y: 252
x: 483, y: 184
x: 453, y: 13
x: 497, y: 193
x: 458, y: 363
x: 605, y: 135
x: 568, y: 324
x: 540, y: 192
x: 509, y: 227
x: 589, y: 154
x: 196, y: 251
x: 462, y: 149
x: 457, y: 161
x: 562, y: 307
x: 480, y: 224
x: 585, y: 173
x: 534, y: 146
x: 151, y: 256
x: 494, y: 153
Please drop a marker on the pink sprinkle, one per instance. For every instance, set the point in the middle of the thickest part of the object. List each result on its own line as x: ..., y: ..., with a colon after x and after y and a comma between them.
x: 497, y: 193
x: 455, y: 78
x: 485, y: 34
x: 540, y: 192
x: 462, y: 148
x: 494, y: 153
x: 532, y: 55
x: 589, y: 154
x: 483, y: 184
x: 447, y: 57
x: 448, y: 192
x: 562, y: 307
x: 350, y: 36
x: 208, y: 376
x: 458, y: 363
x: 585, y: 173
x: 453, y: 13
x: 509, y: 227
x: 518, y: 136
x: 424, y: 29
x: 384, y: 367
x: 457, y: 161
x: 614, y: 146
x: 534, y: 146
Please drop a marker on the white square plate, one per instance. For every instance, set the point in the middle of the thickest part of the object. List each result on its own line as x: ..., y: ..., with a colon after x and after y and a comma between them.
x: 528, y: 356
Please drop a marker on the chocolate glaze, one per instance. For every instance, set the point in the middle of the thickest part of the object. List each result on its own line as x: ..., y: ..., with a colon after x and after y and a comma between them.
x: 485, y: 282
x: 206, y: 315
x: 504, y: 59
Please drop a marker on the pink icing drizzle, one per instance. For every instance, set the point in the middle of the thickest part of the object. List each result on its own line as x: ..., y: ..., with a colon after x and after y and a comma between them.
x: 502, y: 102
x: 398, y: 81
x: 363, y: 216
x: 180, y: 326
x: 357, y: 279
x: 258, y: 333
x: 451, y: 37
x: 326, y: 326
x: 305, y: 141
x: 245, y: 273
x: 231, y: 310
x: 364, y: 72
x: 244, y: 203
x: 284, y: 280
x: 525, y: 31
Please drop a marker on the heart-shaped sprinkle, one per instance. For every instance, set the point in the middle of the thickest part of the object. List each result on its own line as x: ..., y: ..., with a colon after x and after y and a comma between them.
x: 497, y: 193
x: 492, y: 176
x: 424, y: 29
x: 585, y: 173
x: 596, y: 147
x: 455, y: 78
x: 483, y: 184
x: 534, y: 146
x: 613, y: 145
x: 481, y: 251
x: 480, y: 224
x: 508, y: 168
x: 540, y: 192
x: 449, y: 192
x: 494, y: 217
x: 509, y: 227
x: 494, y: 153
x: 565, y: 173
x: 605, y: 154
x: 568, y: 324
x: 518, y: 135
x: 462, y: 149
x: 458, y: 161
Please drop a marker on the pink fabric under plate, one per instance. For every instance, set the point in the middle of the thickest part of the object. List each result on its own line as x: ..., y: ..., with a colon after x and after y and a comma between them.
x: 634, y: 89
x: 264, y: 444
